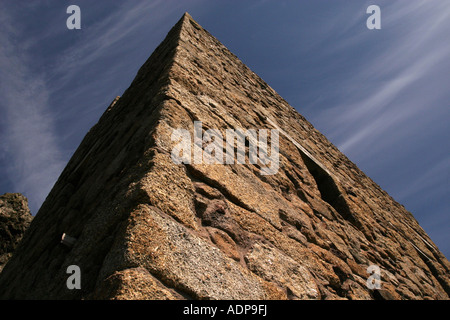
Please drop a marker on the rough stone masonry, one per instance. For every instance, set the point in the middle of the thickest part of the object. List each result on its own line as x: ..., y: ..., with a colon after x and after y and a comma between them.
x: 15, y: 218
x: 147, y: 228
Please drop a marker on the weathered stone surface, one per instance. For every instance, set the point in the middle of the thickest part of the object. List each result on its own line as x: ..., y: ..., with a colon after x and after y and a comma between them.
x: 134, y: 284
x: 272, y: 265
x: 148, y: 228
x: 15, y: 218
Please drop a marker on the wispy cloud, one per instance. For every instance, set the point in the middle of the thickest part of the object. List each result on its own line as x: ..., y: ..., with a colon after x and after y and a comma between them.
x: 412, y: 58
x: 28, y: 141
x: 376, y: 114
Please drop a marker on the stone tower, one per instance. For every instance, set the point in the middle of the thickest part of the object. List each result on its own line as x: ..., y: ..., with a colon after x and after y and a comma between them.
x: 139, y: 225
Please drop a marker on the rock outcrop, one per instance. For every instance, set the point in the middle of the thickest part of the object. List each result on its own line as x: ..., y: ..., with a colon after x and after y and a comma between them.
x: 15, y: 218
x: 147, y: 227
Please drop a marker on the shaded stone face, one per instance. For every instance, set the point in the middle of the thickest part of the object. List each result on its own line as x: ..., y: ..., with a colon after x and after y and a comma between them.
x: 15, y: 218
x: 147, y: 227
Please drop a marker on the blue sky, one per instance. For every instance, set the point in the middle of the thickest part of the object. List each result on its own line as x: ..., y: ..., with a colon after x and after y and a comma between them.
x: 381, y: 96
